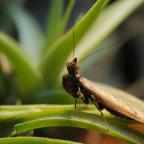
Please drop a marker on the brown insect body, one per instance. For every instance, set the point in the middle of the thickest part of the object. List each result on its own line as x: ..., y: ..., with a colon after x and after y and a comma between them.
x: 75, y: 84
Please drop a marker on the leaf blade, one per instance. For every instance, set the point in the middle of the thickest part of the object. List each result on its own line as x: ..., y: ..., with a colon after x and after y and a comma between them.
x: 29, y: 117
x: 33, y: 140
x: 54, y: 58
x: 29, y: 32
x: 29, y: 76
x: 53, y: 23
x: 86, y: 121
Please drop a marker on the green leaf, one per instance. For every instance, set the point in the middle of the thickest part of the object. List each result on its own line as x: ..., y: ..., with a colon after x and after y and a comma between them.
x: 29, y: 32
x: 33, y: 140
x: 81, y: 120
x: 107, y: 22
x: 55, y: 57
x: 53, y: 22
x: 86, y: 121
x: 17, y: 119
x: 29, y: 76
x: 56, y: 24
x: 66, y: 16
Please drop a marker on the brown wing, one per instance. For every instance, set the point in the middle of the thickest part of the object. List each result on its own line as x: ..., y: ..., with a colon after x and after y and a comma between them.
x: 112, y: 101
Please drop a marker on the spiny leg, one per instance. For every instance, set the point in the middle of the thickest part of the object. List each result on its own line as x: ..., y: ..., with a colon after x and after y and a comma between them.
x: 99, y: 109
x: 78, y: 95
x: 104, y: 120
x: 73, y: 111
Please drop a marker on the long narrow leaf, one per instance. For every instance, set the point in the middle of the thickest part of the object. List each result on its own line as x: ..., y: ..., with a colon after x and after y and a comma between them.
x: 107, y: 22
x: 66, y: 16
x: 53, y: 22
x: 33, y: 140
x: 29, y: 32
x: 17, y: 119
x: 29, y: 76
x: 55, y: 57
x: 82, y: 120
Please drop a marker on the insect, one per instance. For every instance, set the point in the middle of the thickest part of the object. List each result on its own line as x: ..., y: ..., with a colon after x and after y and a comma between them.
x: 75, y: 84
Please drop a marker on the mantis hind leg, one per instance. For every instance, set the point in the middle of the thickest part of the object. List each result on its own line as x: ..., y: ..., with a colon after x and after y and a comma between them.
x: 73, y: 111
x: 79, y: 96
x: 100, y: 108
